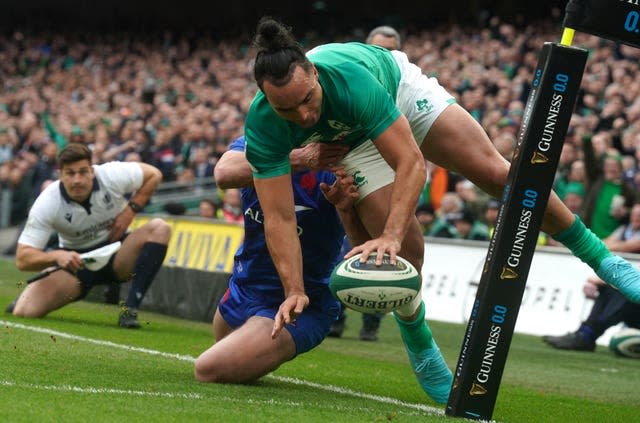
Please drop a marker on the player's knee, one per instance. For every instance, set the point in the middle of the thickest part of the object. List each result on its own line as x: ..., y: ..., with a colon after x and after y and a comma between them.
x: 206, y: 371
x: 497, y: 175
x: 160, y: 231
x: 22, y: 309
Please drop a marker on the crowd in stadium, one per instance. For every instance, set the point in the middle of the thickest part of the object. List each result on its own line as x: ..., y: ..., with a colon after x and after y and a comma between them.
x: 177, y: 102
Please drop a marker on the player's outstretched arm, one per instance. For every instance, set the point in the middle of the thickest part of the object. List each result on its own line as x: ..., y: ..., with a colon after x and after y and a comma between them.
x: 398, y: 147
x: 281, y: 233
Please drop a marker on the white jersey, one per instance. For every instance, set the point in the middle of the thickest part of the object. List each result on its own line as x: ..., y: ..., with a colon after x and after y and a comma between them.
x: 80, y: 228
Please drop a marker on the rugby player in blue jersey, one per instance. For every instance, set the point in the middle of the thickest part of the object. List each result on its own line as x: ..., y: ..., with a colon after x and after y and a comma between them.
x: 246, y: 348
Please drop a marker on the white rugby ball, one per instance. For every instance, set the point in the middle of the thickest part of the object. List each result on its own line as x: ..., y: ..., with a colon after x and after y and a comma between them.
x: 626, y: 343
x: 368, y: 288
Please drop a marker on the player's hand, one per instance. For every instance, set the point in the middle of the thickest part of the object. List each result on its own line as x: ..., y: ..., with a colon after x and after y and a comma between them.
x: 120, y: 225
x: 69, y: 260
x: 590, y: 287
x: 342, y: 193
x: 289, y: 311
x: 318, y: 155
x: 379, y: 246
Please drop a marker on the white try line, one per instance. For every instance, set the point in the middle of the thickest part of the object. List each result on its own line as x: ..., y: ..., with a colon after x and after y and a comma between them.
x: 90, y: 390
x: 93, y: 390
x: 331, y: 388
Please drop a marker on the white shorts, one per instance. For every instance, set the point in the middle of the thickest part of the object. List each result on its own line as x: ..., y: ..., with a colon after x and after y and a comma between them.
x: 421, y: 100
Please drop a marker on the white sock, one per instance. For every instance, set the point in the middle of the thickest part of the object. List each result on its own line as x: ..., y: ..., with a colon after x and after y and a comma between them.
x: 411, y: 308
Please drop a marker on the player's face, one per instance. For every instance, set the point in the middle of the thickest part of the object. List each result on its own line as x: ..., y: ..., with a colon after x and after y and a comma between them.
x: 77, y: 179
x: 300, y: 100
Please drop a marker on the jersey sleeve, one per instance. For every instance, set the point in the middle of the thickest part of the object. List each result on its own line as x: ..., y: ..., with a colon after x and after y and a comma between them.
x: 267, y: 140
x: 237, y: 145
x: 38, y: 228
x: 371, y: 103
x: 124, y: 177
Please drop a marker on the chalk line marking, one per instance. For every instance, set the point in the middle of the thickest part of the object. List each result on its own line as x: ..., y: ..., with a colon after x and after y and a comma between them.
x: 187, y: 358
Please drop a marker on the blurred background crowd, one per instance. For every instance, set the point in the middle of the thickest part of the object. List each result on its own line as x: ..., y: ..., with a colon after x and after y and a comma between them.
x: 176, y: 100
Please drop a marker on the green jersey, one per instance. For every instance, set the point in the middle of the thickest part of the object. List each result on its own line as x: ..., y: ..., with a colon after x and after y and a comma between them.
x: 360, y: 85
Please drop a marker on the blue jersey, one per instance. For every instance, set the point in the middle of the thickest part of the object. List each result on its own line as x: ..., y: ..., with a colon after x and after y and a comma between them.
x: 319, y: 229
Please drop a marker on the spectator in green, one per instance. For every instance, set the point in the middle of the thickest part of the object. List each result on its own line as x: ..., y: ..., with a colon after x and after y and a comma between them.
x: 608, y: 198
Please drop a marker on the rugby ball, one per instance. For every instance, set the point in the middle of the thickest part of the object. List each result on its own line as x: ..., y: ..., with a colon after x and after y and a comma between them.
x: 368, y: 288
x: 626, y: 343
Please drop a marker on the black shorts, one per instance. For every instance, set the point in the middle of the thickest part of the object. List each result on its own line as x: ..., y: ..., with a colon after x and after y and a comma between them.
x: 90, y: 278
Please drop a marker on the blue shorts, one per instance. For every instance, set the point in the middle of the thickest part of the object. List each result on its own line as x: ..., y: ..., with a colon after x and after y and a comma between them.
x: 240, y: 303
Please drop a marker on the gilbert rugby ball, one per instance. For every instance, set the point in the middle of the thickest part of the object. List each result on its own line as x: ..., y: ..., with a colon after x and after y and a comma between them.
x: 368, y: 288
x: 626, y: 343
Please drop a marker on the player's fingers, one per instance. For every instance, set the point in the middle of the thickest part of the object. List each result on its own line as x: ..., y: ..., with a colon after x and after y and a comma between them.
x: 301, y: 304
x: 366, y: 251
x: 277, y: 325
x: 355, y: 250
x: 379, y: 256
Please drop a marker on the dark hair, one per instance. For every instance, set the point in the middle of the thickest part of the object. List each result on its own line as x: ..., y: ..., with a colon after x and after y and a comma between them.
x: 278, y: 53
x: 74, y: 152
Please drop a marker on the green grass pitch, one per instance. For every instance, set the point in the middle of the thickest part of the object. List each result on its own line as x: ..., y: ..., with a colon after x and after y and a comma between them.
x: 76, y: 365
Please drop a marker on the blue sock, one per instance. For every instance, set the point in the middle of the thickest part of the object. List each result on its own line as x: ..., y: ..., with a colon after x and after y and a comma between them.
x: 144, y: 270
x: 586, y: 332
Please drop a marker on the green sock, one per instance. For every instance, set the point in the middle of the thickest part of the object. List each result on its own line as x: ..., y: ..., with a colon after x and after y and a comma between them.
x: 416, y: 334
x: 584, y: 244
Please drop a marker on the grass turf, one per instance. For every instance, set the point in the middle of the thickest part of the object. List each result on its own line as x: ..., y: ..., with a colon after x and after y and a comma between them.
x: 77, y: 365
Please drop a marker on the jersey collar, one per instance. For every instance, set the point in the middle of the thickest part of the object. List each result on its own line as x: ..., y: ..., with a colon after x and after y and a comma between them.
x: 65, y: 195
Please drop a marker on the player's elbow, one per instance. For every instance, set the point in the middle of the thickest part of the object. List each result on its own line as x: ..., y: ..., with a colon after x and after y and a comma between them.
x: 156, y: 176
x: 416, y: 170
x: 21, y: 262
x: 222, y: 176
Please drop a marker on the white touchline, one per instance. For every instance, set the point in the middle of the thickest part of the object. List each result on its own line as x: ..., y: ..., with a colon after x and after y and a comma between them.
x: 92, y: 390
x: 188, y: 358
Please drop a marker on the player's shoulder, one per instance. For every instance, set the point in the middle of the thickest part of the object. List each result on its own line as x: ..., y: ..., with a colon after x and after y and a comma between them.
x: 330, y: 49
x: 117, y: 168
x: 49, y: 198
x: 259, y: 105
x: 118, y: 175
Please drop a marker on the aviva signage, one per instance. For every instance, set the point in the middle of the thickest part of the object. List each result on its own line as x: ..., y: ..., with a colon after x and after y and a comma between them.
x: 200, y: 245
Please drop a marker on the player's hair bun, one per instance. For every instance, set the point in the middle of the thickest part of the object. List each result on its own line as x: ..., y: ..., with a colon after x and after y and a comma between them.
x: 272, y: 36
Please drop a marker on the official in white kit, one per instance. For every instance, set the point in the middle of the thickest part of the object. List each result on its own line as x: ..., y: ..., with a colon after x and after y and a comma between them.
x: 89, y: 207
